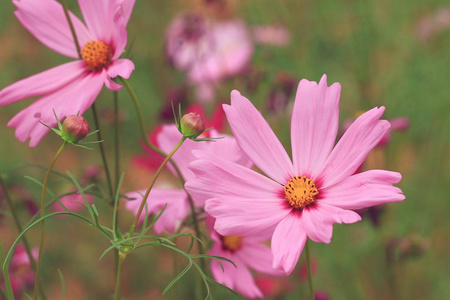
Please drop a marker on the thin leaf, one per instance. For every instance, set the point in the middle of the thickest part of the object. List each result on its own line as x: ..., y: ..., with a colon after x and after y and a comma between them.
x: 116, y: 200
x: 178, y: 277
x: 63, y: 285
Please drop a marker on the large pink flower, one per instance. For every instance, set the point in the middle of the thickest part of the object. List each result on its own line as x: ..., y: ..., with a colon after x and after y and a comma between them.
x: 298, y: 199
x: 177, y: 199
x: 246, y: 253
x: 72, y: 87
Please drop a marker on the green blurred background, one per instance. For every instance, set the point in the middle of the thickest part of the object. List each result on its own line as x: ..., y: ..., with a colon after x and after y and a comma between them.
x: 373, y: 48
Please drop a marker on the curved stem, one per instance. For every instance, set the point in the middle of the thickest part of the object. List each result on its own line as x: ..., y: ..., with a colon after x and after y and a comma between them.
x: 121, y: 259
x: 103, y: 155
x: 156, y: 149
x: 308, y: 267
x: 41, y: 244
x: 152, y: 183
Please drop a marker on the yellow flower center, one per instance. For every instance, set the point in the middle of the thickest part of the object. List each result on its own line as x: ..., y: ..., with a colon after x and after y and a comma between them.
x: 232, y: 242
x: 300, y: 192
x: 96, y: 54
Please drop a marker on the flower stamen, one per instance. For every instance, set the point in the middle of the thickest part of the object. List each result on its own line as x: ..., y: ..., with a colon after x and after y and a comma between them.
x: 300, y: 192
x: 96, y: 54
x: 231, y: 242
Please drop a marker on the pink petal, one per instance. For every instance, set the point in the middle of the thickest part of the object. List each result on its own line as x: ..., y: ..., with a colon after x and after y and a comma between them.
x: 256, y: 138
x: 364, y: 190
x: 69, y: 100
x: 227, y: 149
x: 288, y: 241
x: 119, y: 67
x: 318, y: 221
x: 219, y: 178
x: 73, y: 203
x: 46, y: 21
x: 242, y: 218
x: 237, y: 278
x: 258, y: 257
x: 127, y: 8
x: 176, y: 210
x: 314, y: 125
x: 353, y: 148
x: 42, y: 83
x: 99, y: 17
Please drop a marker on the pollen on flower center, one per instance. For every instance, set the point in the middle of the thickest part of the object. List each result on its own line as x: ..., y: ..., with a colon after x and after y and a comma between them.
x: 300, y: 192
x: 232, y: 242
x: 96, y: 54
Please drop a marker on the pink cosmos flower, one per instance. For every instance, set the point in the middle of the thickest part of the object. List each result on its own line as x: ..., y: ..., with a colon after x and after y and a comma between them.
x: 246, y: 253
x: 73, y: 203
x: 177, y: 199
x: 300, y: 199
x: 71, y: 87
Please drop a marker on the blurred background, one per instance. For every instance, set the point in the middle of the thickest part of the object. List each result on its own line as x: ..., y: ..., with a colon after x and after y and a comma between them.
x: 390, y: 53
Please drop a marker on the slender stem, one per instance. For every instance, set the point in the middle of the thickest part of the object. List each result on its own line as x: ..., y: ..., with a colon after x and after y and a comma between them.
x: 117, y: 139
x: 308, y: 267
x: 103, y: 155
x: 72, y: 28
x: 152, y: 183
x: 41, y: 244
x: 120, y: 261
x: 156, y: 149
x: 20, y: 229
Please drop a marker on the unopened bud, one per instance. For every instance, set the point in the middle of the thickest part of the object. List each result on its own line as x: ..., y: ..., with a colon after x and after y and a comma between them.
x: 192, y: 125
x: 74, y: 129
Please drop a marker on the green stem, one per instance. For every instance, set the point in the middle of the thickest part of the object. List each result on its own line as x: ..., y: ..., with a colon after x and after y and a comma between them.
x: 308, y: 267
x: 156, y: 149
x: 152, y: 183
x: 117, y: 139
x: 72, y: 28
x: 102, y: 153
x: 41, y: 244
x: 120, y: 261
x: 20, y: 229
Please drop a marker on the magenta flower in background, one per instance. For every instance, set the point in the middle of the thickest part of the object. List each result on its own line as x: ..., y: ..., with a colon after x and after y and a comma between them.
x: 177, y: 199
x: 246, y: 253
x: 208, y: 52
x: 299, y: 199
x: 70, y: 88
x: 73, y: 203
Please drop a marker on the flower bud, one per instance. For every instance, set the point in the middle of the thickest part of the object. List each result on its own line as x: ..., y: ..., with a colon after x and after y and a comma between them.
x: 74, y: 129
x: 192, y: 125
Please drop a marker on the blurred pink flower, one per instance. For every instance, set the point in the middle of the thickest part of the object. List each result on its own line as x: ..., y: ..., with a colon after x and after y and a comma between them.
x: 70, y: 88
x: 246, y: 253
x: 21, y: 274
x: 298, y: 199
x: 271, y: 35
x: 176, y: 199
x: 73, y: 203
x: 208, y: 52
x: 432, y: 24
x: 274, y: 286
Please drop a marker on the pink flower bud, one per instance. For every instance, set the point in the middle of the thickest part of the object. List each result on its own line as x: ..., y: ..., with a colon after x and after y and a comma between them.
x: 74, y: 129
x: 192, y: 125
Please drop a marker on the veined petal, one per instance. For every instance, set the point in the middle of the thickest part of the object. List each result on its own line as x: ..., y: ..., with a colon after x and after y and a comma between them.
x: 99, y: 17
x: 258, y: 257
x: 354, y: 146
x: 46, y: 21
x: 314, y: 125
x: 318, y: 221
x: 288, y: 241
x: 119, y: 67
x: 42, y: 83
x: 237, y: 278
x: 364, y: 190
x: 256, y: 138
x: 218, y: 178
x: 74, y: 98
x: 244, y: 218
